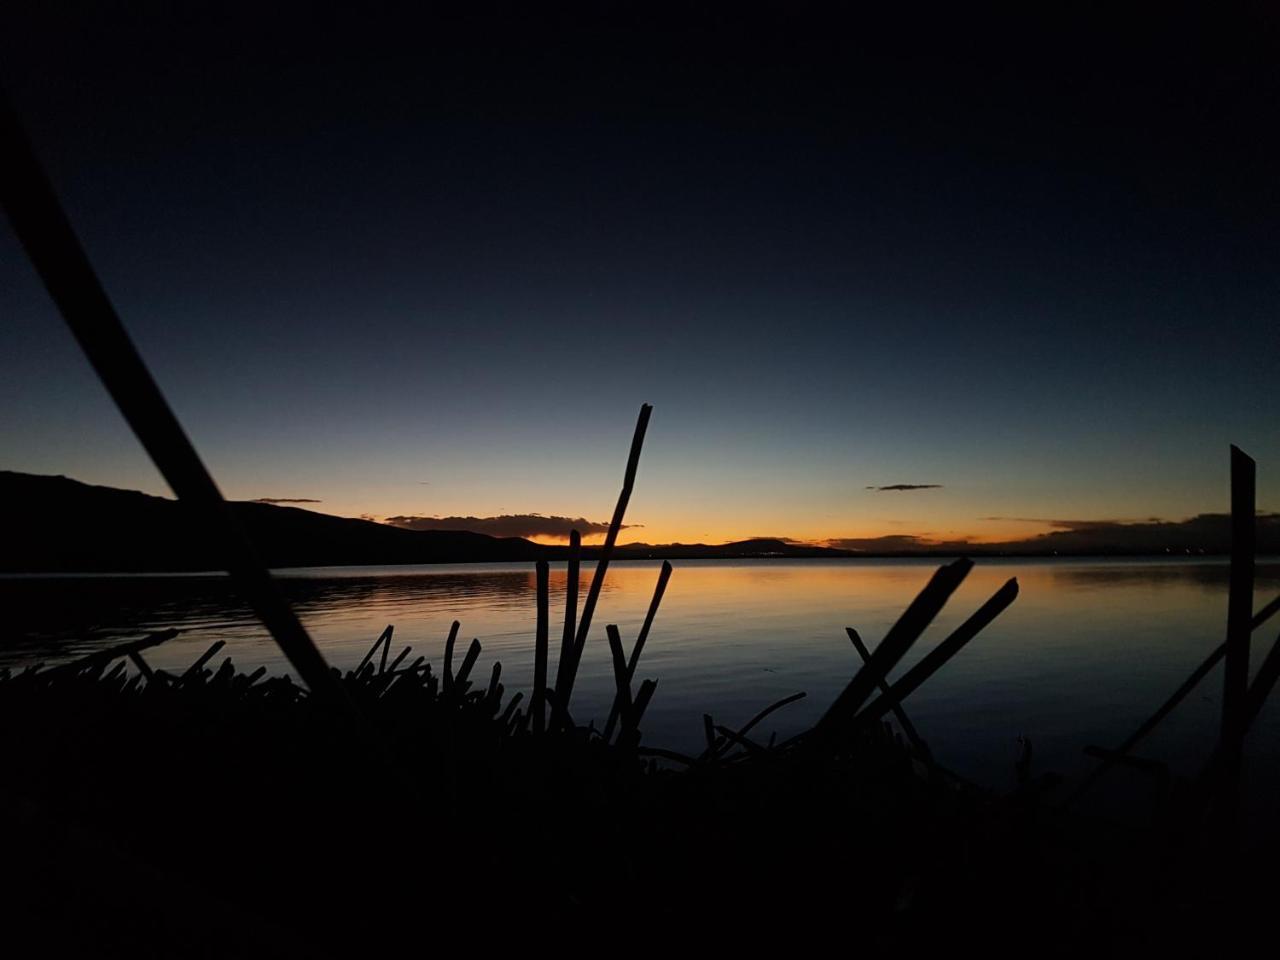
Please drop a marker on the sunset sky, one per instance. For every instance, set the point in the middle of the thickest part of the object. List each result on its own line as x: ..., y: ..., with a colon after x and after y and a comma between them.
x: 433, y: 269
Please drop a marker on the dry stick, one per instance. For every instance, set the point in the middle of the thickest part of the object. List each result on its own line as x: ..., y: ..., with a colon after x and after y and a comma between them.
x: 143, y: 667
x: 1263, y: 681
x: 384, y: 637
x: 750, y: 746
x: 664, y: 575
x: 1264, y: 614
x: 630, y: 732
x: 536, y: 705
x: 51, y: 244
x: 194, y: 670
x: 907, y: 726
x: 1153, y: 721
x: 1257, y: 695
x: 494, y: 694
x: 395, y: 663
x: 469, y: 661
x: 602, y: 562
x: 931, y: 662
x: 446, y: 685
x: 621, y: 679
x: 1235, y: 691
x: 750, y: 724
x: 1147, y: 726
x: 570, y: 618
x: 106, y: 656
x: 511, y: 707
x: 840, y: 715
x: 759, y: 717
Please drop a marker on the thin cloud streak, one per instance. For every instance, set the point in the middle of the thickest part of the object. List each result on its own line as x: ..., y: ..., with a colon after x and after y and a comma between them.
x: 1203, y: 533
x: 508, y: 525
x: 907, y: 486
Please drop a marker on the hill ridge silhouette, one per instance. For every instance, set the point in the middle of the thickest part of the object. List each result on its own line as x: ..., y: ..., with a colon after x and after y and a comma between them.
x: 57, y: 524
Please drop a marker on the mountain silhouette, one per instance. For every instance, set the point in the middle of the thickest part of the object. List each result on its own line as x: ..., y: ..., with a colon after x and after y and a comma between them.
x: 59, y: 524
x: 56, y: 524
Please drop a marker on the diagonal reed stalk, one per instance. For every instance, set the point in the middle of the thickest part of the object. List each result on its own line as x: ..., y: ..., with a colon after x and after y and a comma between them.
x: 384, y: 639
x: 536, y: 704
x: 570, y: 624
x: 193, y: 671
x: 54, y: 250
x: 446, y: 681
x: 664, y: 575
x: 1199, y: 673
x: 132, y: 649
x: 903, y: 721
x: 716, y: 745
x: 1263, y: 682
x: 1235, y: 690
x: 1217, y: 788
x: 838, y: 720
x: 462, y: 680
x: 564, y: 685
x: 931, y: 662
x: 629, y: 735
x: 621, y: 679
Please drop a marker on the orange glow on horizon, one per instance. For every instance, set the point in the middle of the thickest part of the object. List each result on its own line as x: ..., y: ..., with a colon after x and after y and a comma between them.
x: 993, y: 531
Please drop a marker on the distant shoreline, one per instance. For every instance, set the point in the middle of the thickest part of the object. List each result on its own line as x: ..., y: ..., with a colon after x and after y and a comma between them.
x: 58, y: 525
x: 1262, y: 559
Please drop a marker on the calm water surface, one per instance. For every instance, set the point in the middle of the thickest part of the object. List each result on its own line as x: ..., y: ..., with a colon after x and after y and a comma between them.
x: 1086, y: 652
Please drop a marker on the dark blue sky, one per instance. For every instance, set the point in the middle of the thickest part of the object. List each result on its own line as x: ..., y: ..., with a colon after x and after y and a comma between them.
x: 432, y: 265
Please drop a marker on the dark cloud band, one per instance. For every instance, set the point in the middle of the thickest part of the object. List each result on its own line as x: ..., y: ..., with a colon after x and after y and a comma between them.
x: 508, y: 525
x: 1205, y: 532
x: 907, y: 486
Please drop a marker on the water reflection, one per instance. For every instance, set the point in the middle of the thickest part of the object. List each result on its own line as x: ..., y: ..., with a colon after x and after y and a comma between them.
x: 59, y: 617
x: 1083, y: 655
x: 1158, y: 573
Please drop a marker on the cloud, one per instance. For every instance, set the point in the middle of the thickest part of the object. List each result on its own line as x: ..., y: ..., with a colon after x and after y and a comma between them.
x: 508, y: 525
x: 285, y: 500
x: 908, y: 486
x: 1070, y: 524
x: 891, y: 543
x: 1203, y: 533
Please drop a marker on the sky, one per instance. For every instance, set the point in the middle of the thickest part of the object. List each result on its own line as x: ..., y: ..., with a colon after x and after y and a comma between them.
x: 431, y: 265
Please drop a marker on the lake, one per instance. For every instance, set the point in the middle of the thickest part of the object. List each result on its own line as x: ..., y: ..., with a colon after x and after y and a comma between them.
x: 1086, y: 652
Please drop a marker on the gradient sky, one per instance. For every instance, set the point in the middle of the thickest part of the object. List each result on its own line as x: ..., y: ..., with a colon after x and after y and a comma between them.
x: 433, y: 267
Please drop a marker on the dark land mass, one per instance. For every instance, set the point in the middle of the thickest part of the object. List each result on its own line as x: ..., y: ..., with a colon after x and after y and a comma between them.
x: 56, y: 524
x: 59, y: 524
